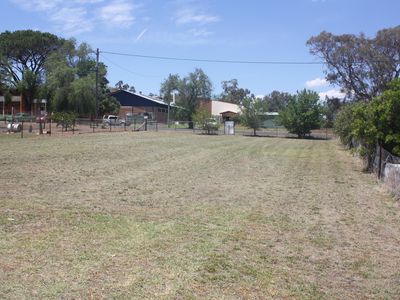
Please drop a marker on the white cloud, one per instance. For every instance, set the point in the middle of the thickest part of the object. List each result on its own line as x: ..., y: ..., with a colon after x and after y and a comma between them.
x: 72, y: 20
x: 317, y: 82
x: 118, y: 13
x: 331, y: 94
x: 37, y: 5
x: 78, y: 16
x: 88, y: 1
x: 199, y: 32
x: 190, y: 16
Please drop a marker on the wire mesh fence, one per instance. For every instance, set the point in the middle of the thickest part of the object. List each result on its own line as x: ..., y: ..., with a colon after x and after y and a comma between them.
x: 79, y: 126
x: 34, y: 126
x: 386, y: 166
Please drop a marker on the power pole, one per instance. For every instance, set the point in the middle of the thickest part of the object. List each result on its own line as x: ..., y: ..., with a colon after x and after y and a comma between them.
x: 97, y: 83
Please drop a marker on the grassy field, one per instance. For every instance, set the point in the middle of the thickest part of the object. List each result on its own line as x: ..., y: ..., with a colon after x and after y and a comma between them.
x: 184, y: 216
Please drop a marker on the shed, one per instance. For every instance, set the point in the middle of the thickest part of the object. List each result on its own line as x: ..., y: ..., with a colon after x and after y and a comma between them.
x: 138, y: 104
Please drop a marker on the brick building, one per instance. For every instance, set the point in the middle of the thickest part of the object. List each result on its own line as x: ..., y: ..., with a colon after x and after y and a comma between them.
x: 138, y: 104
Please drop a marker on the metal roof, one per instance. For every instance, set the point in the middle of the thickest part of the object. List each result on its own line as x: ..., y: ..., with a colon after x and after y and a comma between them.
x: 127, y: 98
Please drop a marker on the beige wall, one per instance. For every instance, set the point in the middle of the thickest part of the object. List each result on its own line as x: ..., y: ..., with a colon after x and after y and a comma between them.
x: 217, y: 107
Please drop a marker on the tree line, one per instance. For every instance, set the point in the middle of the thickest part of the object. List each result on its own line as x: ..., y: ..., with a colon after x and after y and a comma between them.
x: 40, y: 65
x: 367, y: 70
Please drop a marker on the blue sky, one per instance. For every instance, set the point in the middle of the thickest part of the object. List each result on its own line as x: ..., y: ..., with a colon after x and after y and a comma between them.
x: 257, y: 30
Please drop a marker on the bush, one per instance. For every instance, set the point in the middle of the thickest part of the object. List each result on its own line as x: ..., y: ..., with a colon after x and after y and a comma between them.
x: 372, y: 123
x: 202, y: 118
x: 343, y: 124
x: 65, y: 119
x: 302, y: 114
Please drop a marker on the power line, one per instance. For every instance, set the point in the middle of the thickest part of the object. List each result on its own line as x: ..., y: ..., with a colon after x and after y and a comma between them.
x: 217, y: 60
x: 128, y: 70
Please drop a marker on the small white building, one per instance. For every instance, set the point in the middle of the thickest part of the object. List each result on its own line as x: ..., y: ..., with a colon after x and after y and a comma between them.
x: 216, y: 108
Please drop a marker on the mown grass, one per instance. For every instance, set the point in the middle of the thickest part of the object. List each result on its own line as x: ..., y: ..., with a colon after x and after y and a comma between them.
x: 184, y: 216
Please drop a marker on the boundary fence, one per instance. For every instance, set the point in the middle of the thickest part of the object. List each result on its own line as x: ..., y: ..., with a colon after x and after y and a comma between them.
x: 386, y: 166
x: 84, y: 125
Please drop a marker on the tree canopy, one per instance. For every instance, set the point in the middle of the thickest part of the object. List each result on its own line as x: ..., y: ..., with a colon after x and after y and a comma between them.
x: 195, y: 86
x: 302, y: 114
x: 372, y: 123
x: 23, y: 54
x: 252, y: 111
x: 232, y: 93
x: 277, y: 101
x: 361, y: 66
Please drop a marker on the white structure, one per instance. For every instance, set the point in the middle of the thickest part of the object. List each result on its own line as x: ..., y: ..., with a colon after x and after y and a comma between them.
x: 218, y: 107
x: 215, y: 107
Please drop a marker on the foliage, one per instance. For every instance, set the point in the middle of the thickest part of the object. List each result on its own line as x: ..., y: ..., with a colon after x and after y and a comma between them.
x: 277, y: 101
x: 168, y: 86
x: 124, y: 86
x: 363, y: 67
x: 387, y: 112
x: 191, y: 89
x: 302, y: 114
x: 378, y: 122
x: 330, y: 109
x: 203, y: 119
x: 252, y: 112
x: 343, y: 124
x: 71, y: 79
x: 372, y: 123
x: 65, y: 119
x: 109, y: 105
x: 232, y: 93
x: 23, y: 54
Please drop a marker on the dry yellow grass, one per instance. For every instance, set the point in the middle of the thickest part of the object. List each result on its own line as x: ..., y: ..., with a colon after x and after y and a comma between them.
x: 182, y: 216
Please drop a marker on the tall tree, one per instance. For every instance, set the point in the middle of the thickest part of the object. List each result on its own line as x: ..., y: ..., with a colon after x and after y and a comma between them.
x: 277, y: 100
x: 302, y: 114
x: 232, y: 93
x: 123, y: 86
x: 70, y: 82
x: 191, y: 89
x: 330, y: 109
x: 170, y: 85
x: 253, y: 110
x: 362, y: 66
x: 23, y: 54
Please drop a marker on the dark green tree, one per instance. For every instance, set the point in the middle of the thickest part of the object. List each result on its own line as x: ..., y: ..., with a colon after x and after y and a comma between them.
x: 343, y: 123
x: 378, y: 122
x: 71, y: 80
x: 168, y: 86
x: 109, y: 105
x: 361, y: 66
x: 232, y: 93
x: 191, y: 89
x: 277, y: 101
x: 252, y: 113
x: 302, y: 114
x: 330, y: 109
x: 23, y: 54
